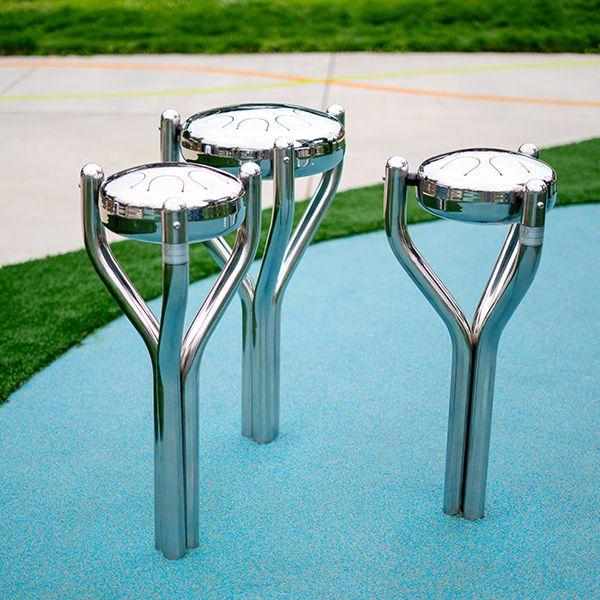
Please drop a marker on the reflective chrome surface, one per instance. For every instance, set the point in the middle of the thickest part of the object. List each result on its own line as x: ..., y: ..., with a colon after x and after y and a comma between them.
x: 169, y: 439
x: 262, y: 301
x: 175, y: 362
x: 474, y: 346
x: 481, y: 185
x: 229, y: 136
x: 235, y: 269
x: 131, y: 201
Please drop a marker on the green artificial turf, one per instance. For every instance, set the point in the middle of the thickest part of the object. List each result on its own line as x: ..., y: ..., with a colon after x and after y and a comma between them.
x: 224, y: 26
x: 49, y: 305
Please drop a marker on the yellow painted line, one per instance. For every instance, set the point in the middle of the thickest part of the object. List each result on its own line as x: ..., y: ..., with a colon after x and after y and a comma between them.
x: 291, y: 80
x: 476, y: 69
x: 92, y: 95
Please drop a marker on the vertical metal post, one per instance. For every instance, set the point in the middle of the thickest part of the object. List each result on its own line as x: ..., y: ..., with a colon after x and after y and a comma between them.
x: 169, y: 135
x: 507, y: 287
x: 266, y: 313
x: 227, y: 284
x: 169, y: 442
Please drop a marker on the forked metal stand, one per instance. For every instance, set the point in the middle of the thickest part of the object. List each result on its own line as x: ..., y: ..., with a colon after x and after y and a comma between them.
x: 287, y: 142
x: 484, y: 186
x: 173, y: 205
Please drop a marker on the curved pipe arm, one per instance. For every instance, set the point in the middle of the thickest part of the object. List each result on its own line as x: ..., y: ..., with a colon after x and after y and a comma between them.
x: 516, y: 268
x: 281, y: 220
x: 313, y: 216
x: 395, y: 204
x: 306, y: 229
x: 107, y: 266
x: 221, y: 252
x: 493, y: 287
x: 234, y: 271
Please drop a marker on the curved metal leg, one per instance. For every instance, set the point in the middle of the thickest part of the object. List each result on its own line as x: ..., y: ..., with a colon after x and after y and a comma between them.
x: 127, y: 297
x: 396, y: 200
x: 275, y: 275
x: 507, y: 287
x: 201, y: 329
x: 131, y: 303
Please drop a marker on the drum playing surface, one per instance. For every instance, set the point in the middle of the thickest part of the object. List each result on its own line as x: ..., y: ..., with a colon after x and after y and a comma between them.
x: 227, y: 136
x: 130, y: 202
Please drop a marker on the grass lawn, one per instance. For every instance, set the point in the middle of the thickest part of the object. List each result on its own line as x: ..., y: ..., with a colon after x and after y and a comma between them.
x: 224, y: 26
x: 49, y: 305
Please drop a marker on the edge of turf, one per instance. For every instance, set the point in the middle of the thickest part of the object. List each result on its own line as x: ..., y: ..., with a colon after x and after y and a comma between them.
x: 69, y: 302
x: 114, y: 27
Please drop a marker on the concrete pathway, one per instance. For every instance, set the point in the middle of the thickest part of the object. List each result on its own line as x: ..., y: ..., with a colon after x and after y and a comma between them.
x: 58, y: 113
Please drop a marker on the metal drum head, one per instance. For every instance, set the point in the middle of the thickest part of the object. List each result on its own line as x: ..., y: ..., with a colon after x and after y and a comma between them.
x: 480, y: 185
x: 130, y: 202
x: 229, y: 136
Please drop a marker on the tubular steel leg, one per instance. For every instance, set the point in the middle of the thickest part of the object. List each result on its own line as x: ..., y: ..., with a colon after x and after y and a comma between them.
x: 508, y: 286
x: 128, y: 298
x: 211, y: 311
x: 278, y: 270
x: 265, y: 325
x: 170, y: 439
x: 396, y: 200
x: 220, y: 251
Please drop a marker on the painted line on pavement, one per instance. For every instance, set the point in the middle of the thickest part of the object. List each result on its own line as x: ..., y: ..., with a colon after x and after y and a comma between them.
x: 92, y: 95
x: 291, y: 80
x: 464, y: 96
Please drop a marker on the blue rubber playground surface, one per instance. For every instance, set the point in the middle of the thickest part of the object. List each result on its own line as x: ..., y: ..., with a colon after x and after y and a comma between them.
x: 347, y: 502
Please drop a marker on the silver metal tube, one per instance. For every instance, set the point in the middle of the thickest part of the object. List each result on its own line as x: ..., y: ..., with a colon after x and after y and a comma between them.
x: 169, y: 135
x: 211, y: 311
x: 220, y: 251
x: 107, y: 266
x: 395, y: 205
x: 170, y: 438
x: 296, y: 248
x: 127, y: 297
x: 508, y: 285
x: 265, y: 318
x: 312, y: 217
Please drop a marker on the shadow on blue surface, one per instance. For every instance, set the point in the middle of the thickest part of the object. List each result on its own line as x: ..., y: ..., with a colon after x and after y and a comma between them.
x: 347, y: 503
